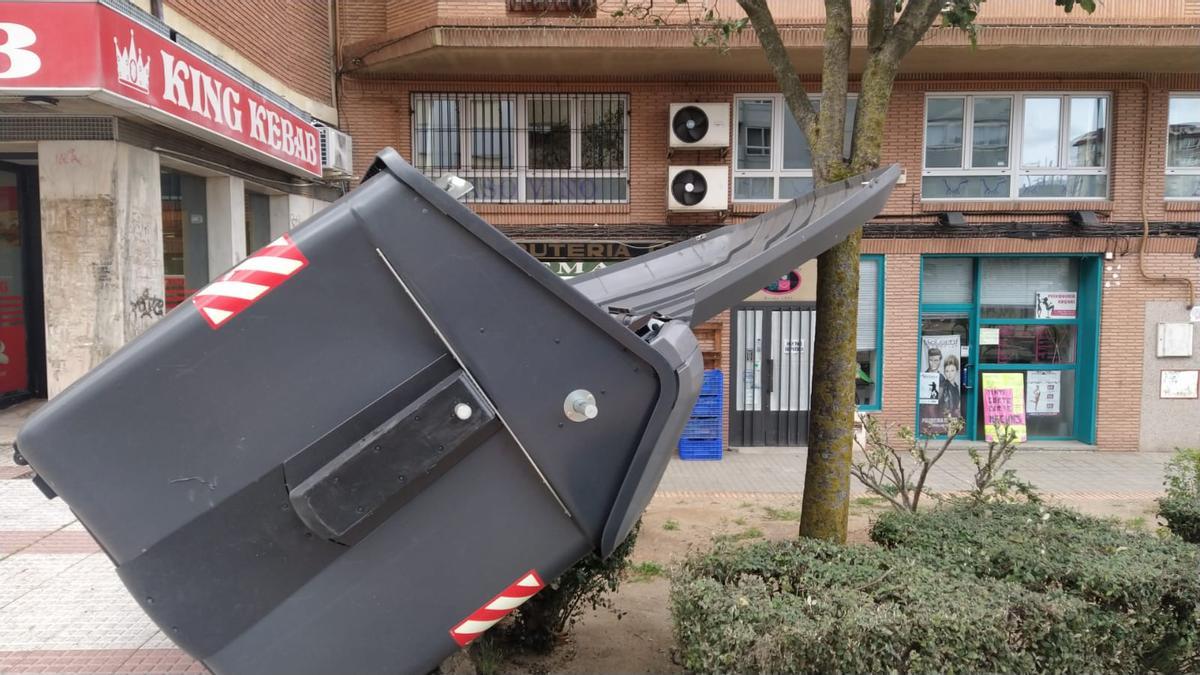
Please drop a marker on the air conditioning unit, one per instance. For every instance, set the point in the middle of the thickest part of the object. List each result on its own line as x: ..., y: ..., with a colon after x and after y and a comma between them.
x: 337, y: 157
x: 697, y: 188
x: 699, y: 125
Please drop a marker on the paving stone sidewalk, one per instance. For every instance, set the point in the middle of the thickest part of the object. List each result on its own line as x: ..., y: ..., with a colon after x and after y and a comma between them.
x: 63, y: 610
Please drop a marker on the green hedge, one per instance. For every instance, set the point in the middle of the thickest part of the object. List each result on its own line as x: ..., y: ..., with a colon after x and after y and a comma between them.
x: 1149, y: 587
x: 809, y: 606
x: 1182, y: 515
x: 1181, y: 505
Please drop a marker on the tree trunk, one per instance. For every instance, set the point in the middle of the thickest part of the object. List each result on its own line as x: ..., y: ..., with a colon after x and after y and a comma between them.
x: 831, y: 410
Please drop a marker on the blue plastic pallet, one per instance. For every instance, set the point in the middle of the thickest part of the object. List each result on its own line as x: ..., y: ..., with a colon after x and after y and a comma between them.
x: 714, y: 383
x: 705, y: 427
x: 708, y: 406
x: 699, y: 448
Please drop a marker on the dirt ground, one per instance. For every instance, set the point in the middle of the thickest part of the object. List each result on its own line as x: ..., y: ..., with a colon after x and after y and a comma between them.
x: 640, y: 640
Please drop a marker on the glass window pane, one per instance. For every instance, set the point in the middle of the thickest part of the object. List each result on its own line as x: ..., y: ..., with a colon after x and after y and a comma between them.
x: 754, y: 134
x: 603, y: 133
x: 572, y: 189
x: 990, y: 132
x: 753, y: 188
x: 1183, y: 187
x: 965, y: 187
x: 1049, y: 404
x: 1063, y: 187
x: 1029, y: 344
x: 942, y: 398
x: 947, y: 281
x: 1088, y: 127
x: 1013, y: 288
x: 1183, y: 132
x: 258, y: 221
x: 796, y: 152
x: 944, y: 133
x: 492, y: 134
x: 1039, y: 141
x: 492, y: 188
x: 790, y: 188
x: 549, y: 133
x: 436, y: 135
x: 867, y: 344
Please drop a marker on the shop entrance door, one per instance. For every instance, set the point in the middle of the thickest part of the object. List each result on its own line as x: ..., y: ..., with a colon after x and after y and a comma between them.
x: 22, y: 350
x: 772, y: 357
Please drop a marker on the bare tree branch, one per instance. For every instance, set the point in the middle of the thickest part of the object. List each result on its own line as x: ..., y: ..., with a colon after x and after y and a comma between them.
x: 880, y: 16
x: 828, y: 155
x: 781, y: 66
x: 914, y: 21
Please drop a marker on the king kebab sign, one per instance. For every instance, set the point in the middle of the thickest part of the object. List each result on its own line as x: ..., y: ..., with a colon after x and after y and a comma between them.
x: 89, y: 49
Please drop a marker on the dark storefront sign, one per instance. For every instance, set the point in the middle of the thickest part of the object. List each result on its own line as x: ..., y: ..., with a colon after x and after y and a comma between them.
x: 588, y: 250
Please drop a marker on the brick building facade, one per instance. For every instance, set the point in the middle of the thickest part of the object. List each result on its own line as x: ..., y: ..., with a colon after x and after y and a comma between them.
x: 1030, y: 164
x: 1086, y: 107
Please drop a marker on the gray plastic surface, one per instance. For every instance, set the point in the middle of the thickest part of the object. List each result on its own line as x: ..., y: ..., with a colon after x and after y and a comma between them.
x: 185, y: 452
x: 697, y: 279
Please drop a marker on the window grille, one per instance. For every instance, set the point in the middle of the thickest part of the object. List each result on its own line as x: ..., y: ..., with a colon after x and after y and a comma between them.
x: 539, y: 148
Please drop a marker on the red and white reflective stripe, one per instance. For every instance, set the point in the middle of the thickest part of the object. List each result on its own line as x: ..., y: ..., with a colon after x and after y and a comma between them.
x: 490, y: 614
x: 253, y: 278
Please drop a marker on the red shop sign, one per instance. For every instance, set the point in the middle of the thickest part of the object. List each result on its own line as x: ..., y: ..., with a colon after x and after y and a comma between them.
x: 88, y: 49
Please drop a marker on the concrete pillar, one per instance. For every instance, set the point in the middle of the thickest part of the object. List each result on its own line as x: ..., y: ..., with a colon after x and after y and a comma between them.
x: 288, y: 211
x: 226, y: 202
x: 102, y: 253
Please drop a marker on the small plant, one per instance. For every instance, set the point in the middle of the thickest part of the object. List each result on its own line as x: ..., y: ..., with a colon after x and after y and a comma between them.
x: 671, y: 525
x: 745, y: 505
x: 1136, y: 523
x: 1180, y: 506
x: 541, y: 623
x: 993, y: 483
x: 748, y: 533
x: 781, y: 514
x: 739, y: 521
x: 645, y: 571
x: 883, y: 469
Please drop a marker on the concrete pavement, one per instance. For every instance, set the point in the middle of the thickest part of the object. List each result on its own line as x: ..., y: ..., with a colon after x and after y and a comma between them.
x: 63, y: 609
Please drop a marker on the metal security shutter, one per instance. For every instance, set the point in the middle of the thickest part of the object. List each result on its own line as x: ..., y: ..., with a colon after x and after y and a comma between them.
x: 868, y: 304
x: 1014, y: 281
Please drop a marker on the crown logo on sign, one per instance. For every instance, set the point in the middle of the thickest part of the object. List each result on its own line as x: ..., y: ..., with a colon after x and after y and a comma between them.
x: 131, y: 70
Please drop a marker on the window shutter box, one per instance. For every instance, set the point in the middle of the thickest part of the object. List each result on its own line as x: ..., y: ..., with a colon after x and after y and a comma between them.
x: 573, y: 6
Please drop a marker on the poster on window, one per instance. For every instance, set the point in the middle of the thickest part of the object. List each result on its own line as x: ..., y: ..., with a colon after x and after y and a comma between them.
x: 1054, y: 304
x: 1043, y: 392
x: 1004, y: 404
x: 940, y: 397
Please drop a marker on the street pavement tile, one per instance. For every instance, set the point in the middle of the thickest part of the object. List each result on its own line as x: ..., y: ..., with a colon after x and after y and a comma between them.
x: 84, y: 606
x: 20, y: 574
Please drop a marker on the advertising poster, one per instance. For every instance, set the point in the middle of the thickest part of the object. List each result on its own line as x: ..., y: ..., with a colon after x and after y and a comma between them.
x: 1044, y: 392
x: 1054, y: 304
x: 940, y: 397
x: 1004, y: 403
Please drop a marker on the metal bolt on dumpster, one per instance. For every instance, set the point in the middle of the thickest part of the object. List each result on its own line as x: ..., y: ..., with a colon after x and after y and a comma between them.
x: 338, y: 458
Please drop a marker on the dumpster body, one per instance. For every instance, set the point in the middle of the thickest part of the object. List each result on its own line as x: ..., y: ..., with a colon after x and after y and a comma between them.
x: 344, y: 456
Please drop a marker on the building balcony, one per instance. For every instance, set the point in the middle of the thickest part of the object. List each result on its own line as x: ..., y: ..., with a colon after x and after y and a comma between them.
x: 578, y: 38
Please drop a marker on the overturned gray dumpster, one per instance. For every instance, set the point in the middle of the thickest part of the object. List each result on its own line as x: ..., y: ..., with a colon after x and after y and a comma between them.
x: 339, y: 457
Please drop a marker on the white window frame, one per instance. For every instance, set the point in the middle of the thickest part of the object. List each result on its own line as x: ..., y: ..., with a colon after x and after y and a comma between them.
x: 1015, y: 170
x: 521, y: 170
x: 776, y: 172
x: 1178, y: 170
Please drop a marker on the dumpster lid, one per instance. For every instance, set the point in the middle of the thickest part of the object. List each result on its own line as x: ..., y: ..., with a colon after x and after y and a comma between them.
x: 697, y: 279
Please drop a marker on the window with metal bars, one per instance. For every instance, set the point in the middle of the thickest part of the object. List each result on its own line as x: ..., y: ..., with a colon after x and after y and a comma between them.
x: 578, y: 6
x: 538, y: 148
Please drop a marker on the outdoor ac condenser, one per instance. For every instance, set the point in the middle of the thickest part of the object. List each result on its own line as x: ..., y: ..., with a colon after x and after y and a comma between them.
x: 343, y: 460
